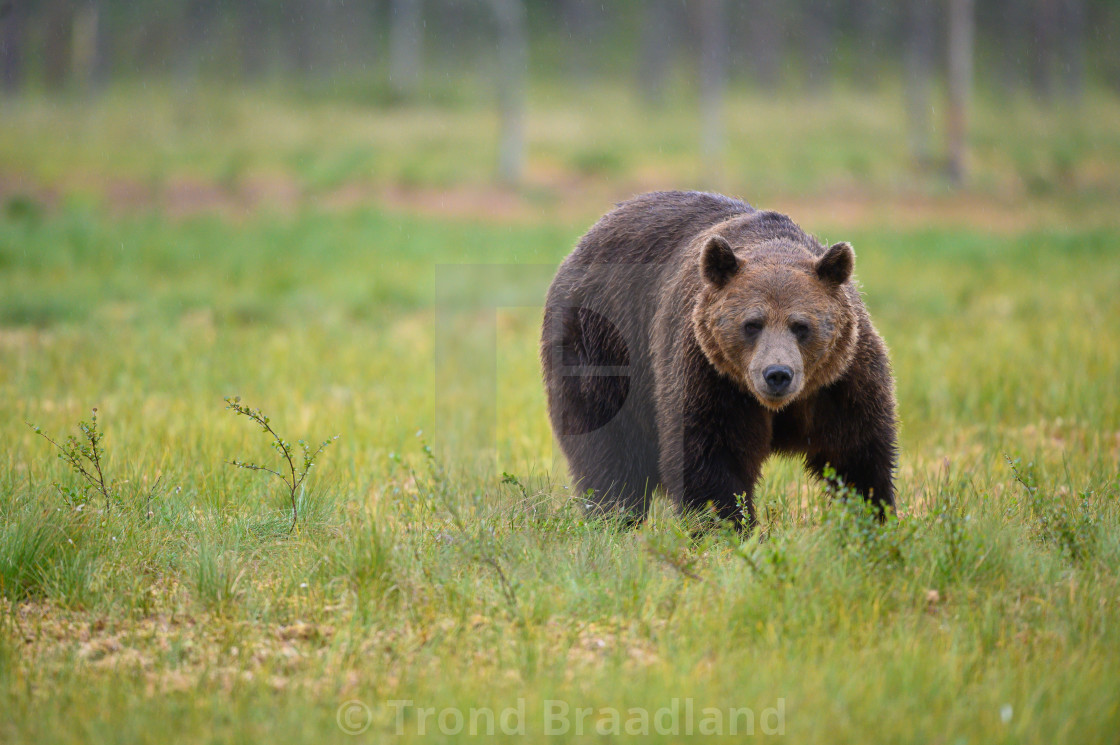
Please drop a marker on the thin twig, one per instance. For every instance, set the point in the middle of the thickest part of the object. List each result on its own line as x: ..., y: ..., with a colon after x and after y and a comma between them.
x: 73, y: 455
x: 285, y: 449
x: 151, y: 494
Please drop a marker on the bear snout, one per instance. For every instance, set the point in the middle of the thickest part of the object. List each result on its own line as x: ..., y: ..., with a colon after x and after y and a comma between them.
x: 778, y: 378
x: 776, y: 384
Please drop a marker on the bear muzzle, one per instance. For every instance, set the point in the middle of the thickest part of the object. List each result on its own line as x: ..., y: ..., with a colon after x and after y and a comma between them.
x: 776, y: 384
x: 778, y: 379
x: 775, y: 373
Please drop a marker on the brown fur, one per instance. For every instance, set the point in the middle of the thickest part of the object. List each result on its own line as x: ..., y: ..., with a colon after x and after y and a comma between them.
x: 656, y: 376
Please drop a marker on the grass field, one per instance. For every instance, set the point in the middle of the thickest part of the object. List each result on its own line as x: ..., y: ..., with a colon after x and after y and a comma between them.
x: 143, y: 272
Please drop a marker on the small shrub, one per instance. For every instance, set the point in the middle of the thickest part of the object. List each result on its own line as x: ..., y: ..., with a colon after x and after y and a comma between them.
x: 474, y: 535
x: 86, y: 458
x: 673, y: 548
x: 771, y: 561
x: 1067, y: 522
x: 956, y: 544
x: 597, y: 162
x: 858, y: 526
x: 23, y: 207
x: 296, y: 475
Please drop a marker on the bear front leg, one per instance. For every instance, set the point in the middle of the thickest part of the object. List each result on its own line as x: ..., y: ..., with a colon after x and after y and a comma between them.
x: 719, y: 481
x: 855, y: 433
x: 714, y: 455
x: 867, y: 468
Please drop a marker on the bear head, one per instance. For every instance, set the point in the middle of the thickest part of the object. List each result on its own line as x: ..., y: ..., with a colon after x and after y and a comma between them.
x: 775, y: 314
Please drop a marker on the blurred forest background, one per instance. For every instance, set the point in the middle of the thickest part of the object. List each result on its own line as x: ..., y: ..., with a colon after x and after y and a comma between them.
x: 928, y: 59
x: 1052, y: 46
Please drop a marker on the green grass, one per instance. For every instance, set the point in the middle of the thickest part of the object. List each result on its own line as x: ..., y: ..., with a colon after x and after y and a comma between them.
x: 183, y: 140
x: 987, y: 613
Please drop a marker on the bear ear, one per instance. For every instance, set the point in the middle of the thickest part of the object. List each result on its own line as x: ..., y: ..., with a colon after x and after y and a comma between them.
x: 718, y: 263
x: 835, y: 267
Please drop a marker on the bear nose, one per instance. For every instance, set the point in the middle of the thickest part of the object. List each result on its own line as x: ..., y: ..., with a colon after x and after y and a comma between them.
x: 778, y: 378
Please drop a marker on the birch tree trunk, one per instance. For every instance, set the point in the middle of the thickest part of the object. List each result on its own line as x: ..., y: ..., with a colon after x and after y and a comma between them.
x: 765, y: 36
x: 12, y: 35
x: 961, y: 31
x: 513, y: 58
x: 1044, y: 27
x: 85, y: 45
x: 818, y: 21
x: 713, y: 77
x: 872, y: 21
x: 656, y: 51
x: 56, y: 43
x: 920, y: 61
x: 581, y: 22
x: 251, y: 33
x: 1071, y: 49
x: 406, y: 39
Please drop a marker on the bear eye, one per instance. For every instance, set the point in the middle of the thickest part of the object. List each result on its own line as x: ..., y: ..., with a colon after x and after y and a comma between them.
x: 752, y: 328
x: 800, y: 330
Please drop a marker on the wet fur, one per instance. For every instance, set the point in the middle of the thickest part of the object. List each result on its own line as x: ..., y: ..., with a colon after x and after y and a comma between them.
x: 649, y: 379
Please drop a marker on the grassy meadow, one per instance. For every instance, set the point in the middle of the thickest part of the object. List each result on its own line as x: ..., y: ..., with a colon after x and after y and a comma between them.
x: 161, y: 250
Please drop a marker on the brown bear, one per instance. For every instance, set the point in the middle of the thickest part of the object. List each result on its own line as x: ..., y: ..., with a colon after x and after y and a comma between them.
x: 688, y: 336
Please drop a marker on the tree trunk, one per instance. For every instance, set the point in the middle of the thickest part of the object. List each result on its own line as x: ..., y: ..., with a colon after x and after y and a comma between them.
x: 1044, y: 26
x: 329, y: 37
x: 872, y: 19
x: 1102, y: 20
x: 406, y: 38
x: 301, y: 15
x: 819, y: 37
x: 656, y: 52
x: 194, y: 42
x: 251, y: 32
x: 765, y: 39
x: 1072, y: 48
x: 961, y: 32
x: 920, y: 54
x: 85, y: 45
x: 56, y: 43
x: 713, y: 78
x: 513, y: 58
x: 12, y: 31
x: 1011, y: 26
x: 581, y: 26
